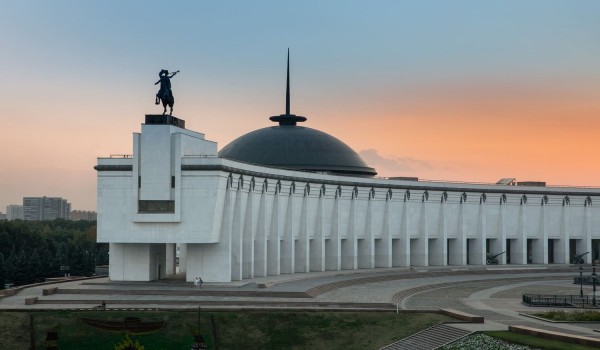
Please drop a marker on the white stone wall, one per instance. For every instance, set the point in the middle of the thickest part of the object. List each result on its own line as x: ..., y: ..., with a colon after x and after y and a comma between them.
x: 136, y: 262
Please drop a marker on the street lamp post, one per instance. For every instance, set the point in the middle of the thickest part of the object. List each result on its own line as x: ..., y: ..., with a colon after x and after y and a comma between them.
x: 66, y: 269
x: 581, y: 281
x: 594, y: 284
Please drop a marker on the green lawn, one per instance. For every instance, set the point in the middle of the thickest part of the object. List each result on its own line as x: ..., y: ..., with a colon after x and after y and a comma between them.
x: 14, y: 330
x: 229, y: 330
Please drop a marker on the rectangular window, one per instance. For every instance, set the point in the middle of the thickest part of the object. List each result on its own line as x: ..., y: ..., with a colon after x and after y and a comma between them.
x: 149, y: 207
x: 172, y: 181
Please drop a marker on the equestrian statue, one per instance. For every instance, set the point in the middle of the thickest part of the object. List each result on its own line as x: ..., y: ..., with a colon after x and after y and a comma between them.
x: 165, y: 94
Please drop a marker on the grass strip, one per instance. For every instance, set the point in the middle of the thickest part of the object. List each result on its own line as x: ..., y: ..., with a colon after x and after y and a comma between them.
x: 233, y: 329
x: 14, y: 330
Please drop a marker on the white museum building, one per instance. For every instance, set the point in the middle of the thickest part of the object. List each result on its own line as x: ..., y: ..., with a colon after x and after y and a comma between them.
x: 290, y: 199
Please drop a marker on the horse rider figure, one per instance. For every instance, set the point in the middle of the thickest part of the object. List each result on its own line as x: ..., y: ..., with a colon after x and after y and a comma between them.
x: 165, y: 94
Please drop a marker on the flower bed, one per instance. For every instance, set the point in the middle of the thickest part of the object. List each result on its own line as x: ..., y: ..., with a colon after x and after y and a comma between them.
x: 483, y: 342
x: 573, y: 316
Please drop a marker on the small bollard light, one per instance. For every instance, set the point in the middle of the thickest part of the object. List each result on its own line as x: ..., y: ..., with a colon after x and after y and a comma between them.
x: 581, y: 281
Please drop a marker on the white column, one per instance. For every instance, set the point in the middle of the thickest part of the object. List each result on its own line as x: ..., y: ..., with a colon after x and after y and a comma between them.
x: 458, y: 255
x: 563, y: 254
x: 302, y: 255
x: 236, y: 234
x: 260, y: 248
x: 480, y: 241
x: 540, y: 246
x: 383, y: 246
x: 366, y: 258
x: 500, y: 243
x: 248, y: 235
x: 520, y: 248
x: 438, y: 252
x: 402, y: 256
x: 420, y: 255
x: 288, y: 246
x: 317, y: 244
x: 587, y: 231
x: 274, y: 244
x: 332, y: 250
x: 349, y: 252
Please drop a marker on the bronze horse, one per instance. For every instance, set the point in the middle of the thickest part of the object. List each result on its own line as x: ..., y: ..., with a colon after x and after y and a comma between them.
x: 165, y: 94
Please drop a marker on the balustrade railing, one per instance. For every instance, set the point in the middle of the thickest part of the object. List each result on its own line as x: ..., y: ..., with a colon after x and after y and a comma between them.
x: 585, y: 301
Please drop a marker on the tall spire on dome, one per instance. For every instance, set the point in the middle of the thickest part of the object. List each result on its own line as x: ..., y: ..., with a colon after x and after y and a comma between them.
x: 287, y: 88
x: 287, y: 118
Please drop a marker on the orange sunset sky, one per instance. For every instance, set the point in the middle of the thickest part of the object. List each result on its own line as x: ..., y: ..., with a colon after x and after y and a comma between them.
x: 461, y: 91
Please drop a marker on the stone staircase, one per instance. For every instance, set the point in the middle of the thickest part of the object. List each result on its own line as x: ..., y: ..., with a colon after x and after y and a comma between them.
x: 398, y: 297
x: 187, y: 292
x: 430, y: 338
x: 350, y: 281
x: 135, y: 301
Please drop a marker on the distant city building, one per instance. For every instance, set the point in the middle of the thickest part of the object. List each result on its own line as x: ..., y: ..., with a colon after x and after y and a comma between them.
x: 532, y: 183
x: 85, y: 215
x: 2, y: 216
x: 14, y: 212
x: 46, y: 208
x: 507, y: 181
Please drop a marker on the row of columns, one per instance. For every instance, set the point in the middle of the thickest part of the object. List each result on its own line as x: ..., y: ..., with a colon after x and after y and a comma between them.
x: 276, y: 241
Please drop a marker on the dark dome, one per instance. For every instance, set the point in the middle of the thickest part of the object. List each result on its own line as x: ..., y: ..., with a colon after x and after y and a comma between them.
x: 296, y: 147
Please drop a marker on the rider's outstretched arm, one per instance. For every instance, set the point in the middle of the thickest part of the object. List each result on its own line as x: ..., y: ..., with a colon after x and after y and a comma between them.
x: 173, y: 74
x: 157, y: 82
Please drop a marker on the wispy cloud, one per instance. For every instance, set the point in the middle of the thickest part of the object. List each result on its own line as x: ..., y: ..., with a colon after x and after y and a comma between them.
x: 394, y: 166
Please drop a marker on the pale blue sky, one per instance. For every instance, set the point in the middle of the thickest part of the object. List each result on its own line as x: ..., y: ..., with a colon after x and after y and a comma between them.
x: 82, y: 72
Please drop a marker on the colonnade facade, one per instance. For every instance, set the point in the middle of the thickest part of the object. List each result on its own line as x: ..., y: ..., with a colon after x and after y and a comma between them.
x: 271, y: 226
x: 233, y: 221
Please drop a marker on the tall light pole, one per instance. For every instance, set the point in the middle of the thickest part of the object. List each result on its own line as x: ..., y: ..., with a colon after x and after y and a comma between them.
x: 594, y: 284
x: 581, y: 281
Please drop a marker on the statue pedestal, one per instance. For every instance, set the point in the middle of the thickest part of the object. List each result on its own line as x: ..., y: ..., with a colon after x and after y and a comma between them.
x: 162, y: 119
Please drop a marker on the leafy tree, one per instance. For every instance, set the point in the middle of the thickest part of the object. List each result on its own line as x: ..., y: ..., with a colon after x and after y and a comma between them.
x: 35, y: 267
x: 34, y: 250
x: 129, y: 344
x: 10, y: 266
x: 2, y: 270
x: 22, y: 272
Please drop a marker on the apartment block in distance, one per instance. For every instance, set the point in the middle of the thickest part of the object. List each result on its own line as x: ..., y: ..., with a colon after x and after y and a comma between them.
x: 46, y: 208
x: 85, y: 215
x: 14, y: 212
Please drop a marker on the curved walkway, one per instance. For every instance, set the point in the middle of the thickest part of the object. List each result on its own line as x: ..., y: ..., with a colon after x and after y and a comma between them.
x: 493, y: 292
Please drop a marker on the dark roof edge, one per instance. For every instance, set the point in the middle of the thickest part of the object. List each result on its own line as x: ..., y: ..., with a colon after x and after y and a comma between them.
x: 361, y: 171
x: 113, y: 167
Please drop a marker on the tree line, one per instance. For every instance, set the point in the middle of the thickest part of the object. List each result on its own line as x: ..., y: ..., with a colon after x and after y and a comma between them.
x: 31, y: 251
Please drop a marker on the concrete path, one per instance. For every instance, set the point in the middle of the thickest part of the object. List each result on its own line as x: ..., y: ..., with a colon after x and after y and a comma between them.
x: 492, y: 292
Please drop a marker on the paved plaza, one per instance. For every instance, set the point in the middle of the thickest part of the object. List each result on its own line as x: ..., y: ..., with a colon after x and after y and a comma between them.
x: 492, y: 292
